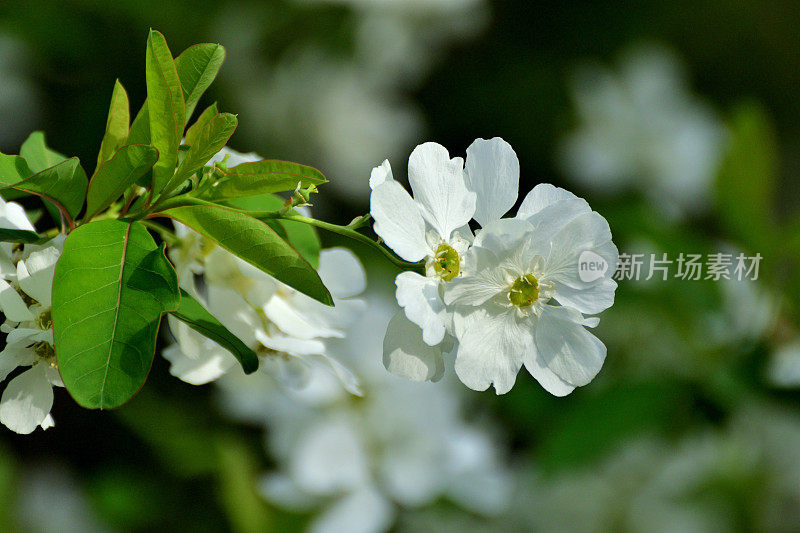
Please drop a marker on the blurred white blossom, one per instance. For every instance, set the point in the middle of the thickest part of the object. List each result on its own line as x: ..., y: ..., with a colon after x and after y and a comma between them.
x: 343, y: 110
x: 783, y: 369
x: 741, y: 476
x: 641, y: 126
x: 354, y: 461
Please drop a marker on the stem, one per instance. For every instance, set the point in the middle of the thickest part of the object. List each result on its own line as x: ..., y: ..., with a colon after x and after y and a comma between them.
x: 164, y: 232
x: 128, y: 201
x: 346, y: 231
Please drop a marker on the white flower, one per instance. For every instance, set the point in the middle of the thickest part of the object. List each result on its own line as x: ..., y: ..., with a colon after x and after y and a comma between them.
x: 234, y: 158
x: 521, y: 299
x: 25, y: 292
x: 783, y: 369
x: 641, y: 126
x: 355, y: 461
x: 433, y: 226
x: 285, y: 327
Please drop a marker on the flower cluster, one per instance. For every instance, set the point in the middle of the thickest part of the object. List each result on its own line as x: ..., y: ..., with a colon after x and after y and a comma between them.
x: 26, y: 280
x: 355, y: 462
x: 286, y: 328
x: 508, y: 295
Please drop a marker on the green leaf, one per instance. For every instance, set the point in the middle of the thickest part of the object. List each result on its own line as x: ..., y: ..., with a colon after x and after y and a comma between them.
x: 39, y: 157
x: 197, y: 67
x: 194, y: 130
x: 303, y: 237
x: 111, y: 286
x: 63, y: 184
x: 19, y: 235
x: 210, y: 140
x: 166, y: 108
x: 196, y: 70
x: 747, y: 175
x: 255, y: 242
x: 37, y: 154
x: 117, y: 174
x: 140, y: 127
x: 259, y: 177
x: 199, y: 319
x: 116, y: 126
x: 13, y: 168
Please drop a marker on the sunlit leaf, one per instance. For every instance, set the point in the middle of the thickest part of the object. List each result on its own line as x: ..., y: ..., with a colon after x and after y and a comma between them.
x: 37, y: 154
x: 303, y: 237
x: 166, y: 108
x: 39, y: 157
x: 13, y: 168
x: 194, y: 130
x: 116, y: 125
x: 255, y: 242
x: 63, y: 184
x: 197, y: 67
x: 259, y: 177
x: 111, y: 286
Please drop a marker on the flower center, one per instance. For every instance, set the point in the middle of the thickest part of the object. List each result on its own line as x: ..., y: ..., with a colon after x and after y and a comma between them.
x: 45, y: 320
x: 524, y: 291
x: 446, y: 263
x: 43, y: 350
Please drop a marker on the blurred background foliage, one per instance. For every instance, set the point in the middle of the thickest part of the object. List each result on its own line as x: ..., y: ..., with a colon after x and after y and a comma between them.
x: 693, y: 423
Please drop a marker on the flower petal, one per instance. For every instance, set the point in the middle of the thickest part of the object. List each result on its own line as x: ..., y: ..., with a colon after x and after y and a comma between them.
x: 480, y: 282
x: 406, y: 355
x: 588, y: 232
x: 398, y: 221
x: 35, y: 274
x: 12, y: 216
x: 546, y: 377
x: 234, y: 157
x: 544, y: 195
x: 566, y: 347
x: 439, y: 188
x: 346, y: 377
x: 342, y: 272
x: 15, y: 355
x: 490, y: 349
x: 12, y: 305
x: 380, y: 174
x: 492, y: 172
x: 362, y: 511
x: 27, y: 401
x: 419, y: 297
x: 282, y: 491
x: 552, y: 219
x: 291, y: 345
x: 590, y: 300
x: 329, y: 457
x: 48, y: 422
